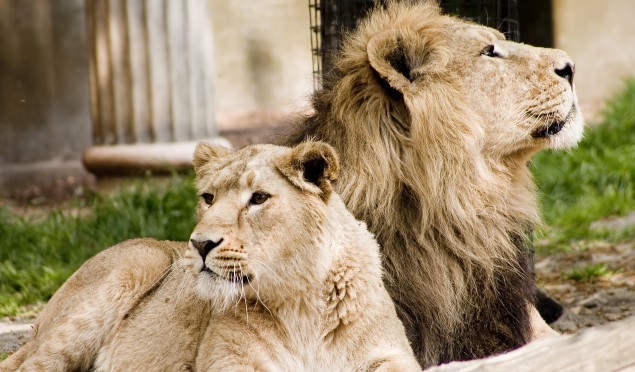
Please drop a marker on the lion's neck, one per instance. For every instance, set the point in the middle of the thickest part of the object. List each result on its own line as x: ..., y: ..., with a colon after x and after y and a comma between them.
x: 345, y: 291
x: 457, y: 217
x: 354, y: 281
x: 520, y: 189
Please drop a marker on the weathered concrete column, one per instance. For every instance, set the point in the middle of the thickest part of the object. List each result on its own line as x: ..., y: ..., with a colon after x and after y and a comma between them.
x: 44, y: 106
x: 151, y: 73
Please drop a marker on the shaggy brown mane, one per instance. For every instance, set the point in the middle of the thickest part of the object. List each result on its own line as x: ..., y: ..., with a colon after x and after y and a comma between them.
x: 450, y: 221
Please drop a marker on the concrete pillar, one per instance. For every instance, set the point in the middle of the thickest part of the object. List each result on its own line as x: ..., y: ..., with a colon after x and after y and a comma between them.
x: 151, y: 70
x: 44, y: 105
x: 263, y: 60
x: 152, y: 82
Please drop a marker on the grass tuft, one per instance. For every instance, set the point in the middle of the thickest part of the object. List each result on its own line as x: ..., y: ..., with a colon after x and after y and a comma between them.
x: 585, y: 272
x: 38, y: 255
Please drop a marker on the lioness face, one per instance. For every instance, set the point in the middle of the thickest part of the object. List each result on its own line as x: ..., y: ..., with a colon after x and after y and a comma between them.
x: 525, y: 94
x: 256, y: 227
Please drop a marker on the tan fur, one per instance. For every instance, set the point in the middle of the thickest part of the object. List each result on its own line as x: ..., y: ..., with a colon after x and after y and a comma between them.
x: 294, y: 283
x: 434, y: 138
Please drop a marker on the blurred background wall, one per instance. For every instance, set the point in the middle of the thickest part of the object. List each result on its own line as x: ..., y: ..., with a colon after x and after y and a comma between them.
x: 263, y: 59
x: 600, y: 37
x: 44, y: 99
x: 262, y: 72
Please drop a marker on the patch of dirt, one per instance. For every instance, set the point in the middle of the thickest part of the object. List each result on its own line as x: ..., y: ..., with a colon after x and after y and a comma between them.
x: 593, y: 300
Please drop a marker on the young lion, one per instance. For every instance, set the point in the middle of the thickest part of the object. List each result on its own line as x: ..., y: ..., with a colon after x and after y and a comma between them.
x: 278, y: 275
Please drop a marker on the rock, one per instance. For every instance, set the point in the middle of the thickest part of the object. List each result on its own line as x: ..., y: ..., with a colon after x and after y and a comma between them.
x: 567, y: 323
x: 599, y: 298
x: 614, y: 223
x: 12, y: 336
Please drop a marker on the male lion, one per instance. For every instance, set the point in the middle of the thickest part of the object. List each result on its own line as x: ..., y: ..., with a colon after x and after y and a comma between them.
x: 435, y: 120
x: 278, y: 275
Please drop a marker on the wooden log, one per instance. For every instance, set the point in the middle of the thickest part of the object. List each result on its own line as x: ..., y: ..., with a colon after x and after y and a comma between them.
x: 139, y: 158
x: 605, y: 348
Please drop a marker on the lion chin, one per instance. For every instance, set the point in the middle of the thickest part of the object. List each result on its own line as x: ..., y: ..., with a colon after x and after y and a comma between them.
x: 435, y: 119
x: 222, y: 291
x: 563, y: 134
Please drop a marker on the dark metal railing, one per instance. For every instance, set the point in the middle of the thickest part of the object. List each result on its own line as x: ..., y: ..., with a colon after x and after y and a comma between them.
x: 331, y: 19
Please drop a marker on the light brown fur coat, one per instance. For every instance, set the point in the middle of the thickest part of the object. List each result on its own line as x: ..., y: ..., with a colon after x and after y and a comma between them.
x: 293, y: 282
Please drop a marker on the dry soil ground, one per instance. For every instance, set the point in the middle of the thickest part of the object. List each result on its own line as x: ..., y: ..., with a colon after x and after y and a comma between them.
x: 594, y: 300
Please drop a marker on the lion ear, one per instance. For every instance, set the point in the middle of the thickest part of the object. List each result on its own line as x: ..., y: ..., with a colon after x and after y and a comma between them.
x: 387, y: 55
x: 400, y: 57
x: 206, y: 152
x: 311, y: 166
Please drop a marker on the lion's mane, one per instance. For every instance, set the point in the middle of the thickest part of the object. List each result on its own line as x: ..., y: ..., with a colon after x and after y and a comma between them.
x: 450, y: 222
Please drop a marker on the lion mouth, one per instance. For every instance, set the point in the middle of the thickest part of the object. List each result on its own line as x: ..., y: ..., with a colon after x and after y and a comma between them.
x: 555, y: 127
x: 235, y: 277
x: 232, y: 276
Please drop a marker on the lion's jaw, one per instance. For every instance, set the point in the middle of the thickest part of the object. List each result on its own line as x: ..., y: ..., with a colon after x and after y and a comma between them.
x: 524, y: 95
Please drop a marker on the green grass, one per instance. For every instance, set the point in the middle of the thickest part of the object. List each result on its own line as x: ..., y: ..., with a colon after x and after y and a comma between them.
x: 38, y: 255
x: 588, y: 271
x: 592, y: 181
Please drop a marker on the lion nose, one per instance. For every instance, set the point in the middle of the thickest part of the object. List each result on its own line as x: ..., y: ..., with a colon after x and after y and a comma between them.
x: 205, y: 246
x: 566, y: 72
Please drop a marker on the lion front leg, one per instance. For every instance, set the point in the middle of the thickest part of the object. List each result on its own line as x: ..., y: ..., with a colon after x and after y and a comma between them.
x: 70, y: 344
x: 83, y: 313
x: 13, y: 362
x: 539, y: 328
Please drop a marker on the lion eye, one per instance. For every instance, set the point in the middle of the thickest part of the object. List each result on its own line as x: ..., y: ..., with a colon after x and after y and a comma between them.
x: 490, y: 51
x: 258, y: 198
x: 208, y: 198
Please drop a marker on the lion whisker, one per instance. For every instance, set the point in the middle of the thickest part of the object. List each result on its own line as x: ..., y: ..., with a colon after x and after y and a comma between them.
x: 243, y: 295
x: 259, y: 299
x: 266, y: 267
x: 185, y: 284
x: 165, y: 276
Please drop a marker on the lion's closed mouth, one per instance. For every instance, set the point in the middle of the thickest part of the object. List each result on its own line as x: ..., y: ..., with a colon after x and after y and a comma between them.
x: 233, y: 277
x: 209, y: 272
x: 550, y: 130
x: 555, y: 127
x: 238, y: 278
